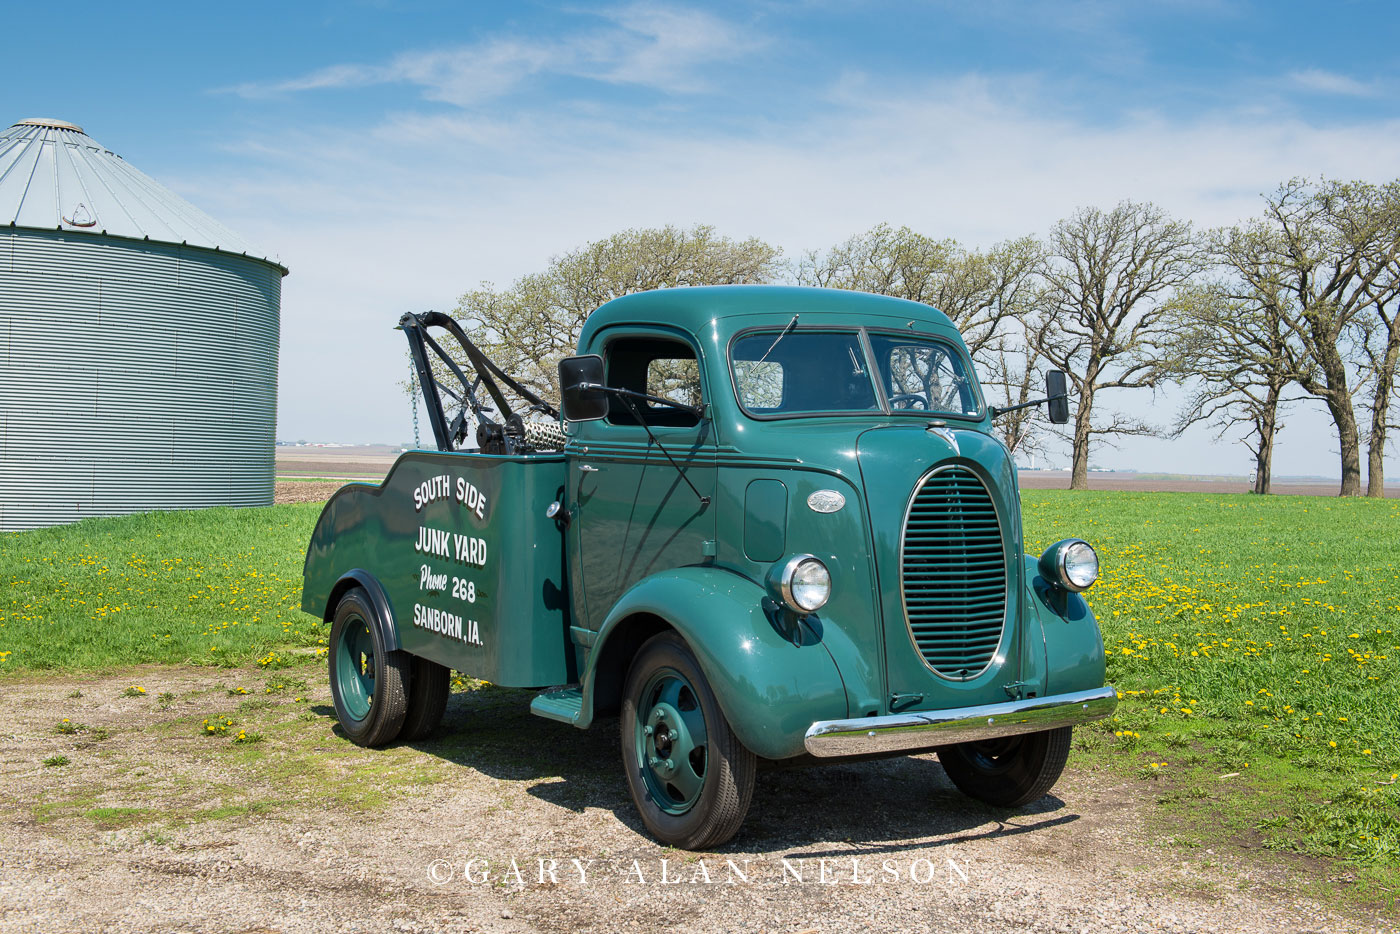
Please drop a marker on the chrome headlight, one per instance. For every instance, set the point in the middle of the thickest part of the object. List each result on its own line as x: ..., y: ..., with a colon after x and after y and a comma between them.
x: 1071, y: 564
x: 804, y: 583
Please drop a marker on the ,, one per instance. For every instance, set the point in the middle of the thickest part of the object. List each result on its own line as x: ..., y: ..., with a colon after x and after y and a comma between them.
x: 764, y: 523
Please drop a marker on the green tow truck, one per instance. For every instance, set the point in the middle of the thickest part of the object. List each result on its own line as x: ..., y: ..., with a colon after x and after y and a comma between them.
x: 767, y: 523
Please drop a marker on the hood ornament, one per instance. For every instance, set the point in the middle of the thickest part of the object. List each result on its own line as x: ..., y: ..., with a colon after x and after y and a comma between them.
x: 941, y: 429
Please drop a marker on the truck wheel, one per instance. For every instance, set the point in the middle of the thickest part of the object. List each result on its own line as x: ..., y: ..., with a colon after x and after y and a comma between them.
x: 427, y: 699
x: 689, y: 775
x: 367, y: 683
x: 1010, y: 771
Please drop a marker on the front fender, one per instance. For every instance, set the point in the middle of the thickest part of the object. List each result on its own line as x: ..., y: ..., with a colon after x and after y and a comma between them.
x: 1074, y: 659
x: 770, y: 689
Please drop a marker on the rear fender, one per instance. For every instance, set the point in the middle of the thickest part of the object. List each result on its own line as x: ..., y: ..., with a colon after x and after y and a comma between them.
x: 770, y: 689
x: 383, y: 613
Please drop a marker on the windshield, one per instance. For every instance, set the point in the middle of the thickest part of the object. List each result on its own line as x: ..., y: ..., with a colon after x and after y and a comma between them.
x: 923, y: 375
x: 797, y: 372
x: 802, y: 372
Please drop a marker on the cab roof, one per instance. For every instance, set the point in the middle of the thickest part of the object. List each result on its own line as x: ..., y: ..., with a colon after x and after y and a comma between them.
x: 692, y: 308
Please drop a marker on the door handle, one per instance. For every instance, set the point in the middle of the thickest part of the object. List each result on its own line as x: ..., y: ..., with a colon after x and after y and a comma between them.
x: 587, y: 468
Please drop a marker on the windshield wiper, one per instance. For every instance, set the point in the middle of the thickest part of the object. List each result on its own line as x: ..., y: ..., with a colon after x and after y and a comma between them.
x: 785, y: 332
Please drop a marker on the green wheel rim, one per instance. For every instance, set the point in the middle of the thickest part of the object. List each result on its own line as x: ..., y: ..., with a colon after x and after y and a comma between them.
x: 354, y: 667
x: 671, y: 741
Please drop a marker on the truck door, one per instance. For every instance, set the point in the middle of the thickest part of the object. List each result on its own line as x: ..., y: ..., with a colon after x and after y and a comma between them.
x: 634, y: 513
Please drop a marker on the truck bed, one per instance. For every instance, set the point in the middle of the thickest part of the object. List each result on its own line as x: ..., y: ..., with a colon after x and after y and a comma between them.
x: 462, y: 548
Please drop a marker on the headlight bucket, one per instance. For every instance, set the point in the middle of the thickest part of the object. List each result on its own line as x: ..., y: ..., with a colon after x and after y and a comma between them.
x: 802, y: 582
x: 1070, y: 564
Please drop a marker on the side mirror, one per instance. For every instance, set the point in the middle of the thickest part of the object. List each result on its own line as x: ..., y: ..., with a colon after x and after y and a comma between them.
x: 1057, y: 401
x: 577, y: 404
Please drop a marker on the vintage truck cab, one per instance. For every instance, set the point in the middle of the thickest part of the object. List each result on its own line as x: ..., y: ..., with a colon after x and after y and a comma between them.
x: 779, y: 525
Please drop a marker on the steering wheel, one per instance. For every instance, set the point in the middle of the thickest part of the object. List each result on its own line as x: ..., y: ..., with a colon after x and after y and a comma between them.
x: 908, y: 397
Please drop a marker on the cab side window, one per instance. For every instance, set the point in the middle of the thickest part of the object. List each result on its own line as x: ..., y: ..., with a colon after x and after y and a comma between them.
x: 657, y: 367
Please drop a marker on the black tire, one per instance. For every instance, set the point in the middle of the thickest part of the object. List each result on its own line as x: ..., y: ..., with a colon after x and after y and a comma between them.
x: 367, y: 683
x: 1008, y: 772
x: 427, y: 699
x: 724, y: 766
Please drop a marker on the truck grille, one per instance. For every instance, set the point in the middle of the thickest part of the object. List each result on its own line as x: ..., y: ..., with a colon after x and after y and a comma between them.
x: 953, y: 572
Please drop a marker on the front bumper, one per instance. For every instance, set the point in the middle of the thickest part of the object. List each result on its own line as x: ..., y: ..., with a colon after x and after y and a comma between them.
x: 923, y: 729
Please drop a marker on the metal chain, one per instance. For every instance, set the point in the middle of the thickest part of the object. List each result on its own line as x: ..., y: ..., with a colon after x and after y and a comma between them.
x: 413, y: 401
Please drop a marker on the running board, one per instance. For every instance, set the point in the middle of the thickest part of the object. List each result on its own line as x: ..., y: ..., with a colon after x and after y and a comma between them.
x: 563, y: 704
